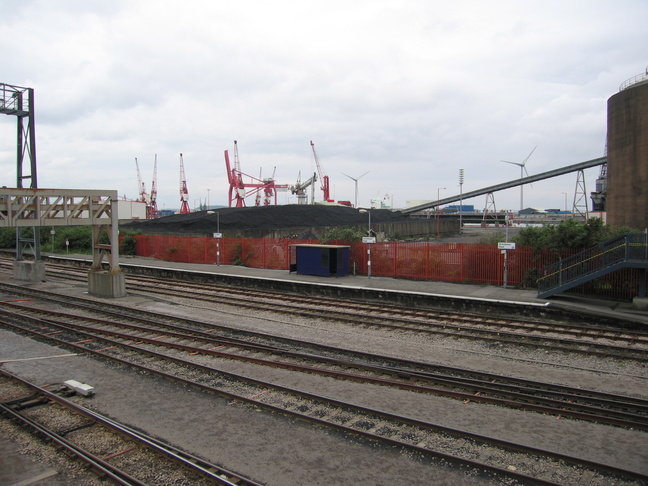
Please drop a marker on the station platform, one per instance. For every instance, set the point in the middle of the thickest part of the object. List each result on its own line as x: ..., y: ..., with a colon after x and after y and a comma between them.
x: 484, y: 294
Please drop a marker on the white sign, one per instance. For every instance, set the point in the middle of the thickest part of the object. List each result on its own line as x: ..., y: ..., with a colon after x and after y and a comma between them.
x: 505, y: 246
x: 368, y: 239
x: 218, y: 235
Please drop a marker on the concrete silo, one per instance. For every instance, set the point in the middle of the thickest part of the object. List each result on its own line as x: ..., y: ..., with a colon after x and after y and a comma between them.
x: 627, y: 152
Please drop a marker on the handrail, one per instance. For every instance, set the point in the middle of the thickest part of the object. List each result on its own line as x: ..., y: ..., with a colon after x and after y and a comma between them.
x: 632, y: 247
x: 634, y: 80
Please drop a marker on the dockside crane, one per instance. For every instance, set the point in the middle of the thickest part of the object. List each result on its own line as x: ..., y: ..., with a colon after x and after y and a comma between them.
x: 151, y: 208
x: 184, y: 193
x: 300, y: 189
x: 143, y: 197
x: 238, y: 189
x: 324, y: 179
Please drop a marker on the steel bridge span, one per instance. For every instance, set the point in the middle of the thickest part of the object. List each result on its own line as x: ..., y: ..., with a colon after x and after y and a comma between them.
x: 507, y: 185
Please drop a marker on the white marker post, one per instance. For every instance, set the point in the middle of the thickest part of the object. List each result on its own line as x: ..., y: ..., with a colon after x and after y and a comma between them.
x: 505, y: 247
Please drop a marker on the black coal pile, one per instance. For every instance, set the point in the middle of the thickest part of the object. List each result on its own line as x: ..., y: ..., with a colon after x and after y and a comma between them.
x: 231, y: 220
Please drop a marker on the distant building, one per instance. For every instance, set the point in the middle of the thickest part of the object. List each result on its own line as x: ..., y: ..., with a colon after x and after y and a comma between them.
x: 454, y: 208
x: 131, y: 209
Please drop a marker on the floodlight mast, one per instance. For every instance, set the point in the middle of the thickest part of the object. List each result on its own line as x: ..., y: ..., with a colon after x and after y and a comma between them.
x: 19, y: 102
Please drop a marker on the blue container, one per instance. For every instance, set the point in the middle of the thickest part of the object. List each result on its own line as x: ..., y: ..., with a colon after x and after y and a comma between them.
x: 322, y: 260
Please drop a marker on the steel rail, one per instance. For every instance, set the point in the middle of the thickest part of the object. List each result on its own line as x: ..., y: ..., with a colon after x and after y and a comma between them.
x: 515, y: 396
x: 364, y: 410
x: 192, y: 463
x: 203, y: 292
x: 397, y: 364
x: 98, y: 464
x: 250, y: 334
x: 444, y: 329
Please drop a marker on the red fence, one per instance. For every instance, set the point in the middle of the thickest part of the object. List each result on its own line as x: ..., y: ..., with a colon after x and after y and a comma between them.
x: 446, y: 262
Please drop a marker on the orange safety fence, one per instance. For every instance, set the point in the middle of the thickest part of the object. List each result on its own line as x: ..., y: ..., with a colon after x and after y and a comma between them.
x: 445, y: 262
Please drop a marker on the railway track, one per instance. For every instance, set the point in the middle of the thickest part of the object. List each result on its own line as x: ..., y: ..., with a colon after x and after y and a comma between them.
x: 115, y: 452
x: 185, y: 363
x: 573, y: 337
x: 201, y: 339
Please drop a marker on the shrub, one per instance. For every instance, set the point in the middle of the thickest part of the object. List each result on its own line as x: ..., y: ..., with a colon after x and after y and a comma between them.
x: 128, y: 245
x: 344, y: 233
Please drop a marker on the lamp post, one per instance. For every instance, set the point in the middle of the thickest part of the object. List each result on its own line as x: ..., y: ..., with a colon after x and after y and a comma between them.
x: 369, y: 240
x: 437, y: 212
x: 461, y: 181
x: 217, y: 235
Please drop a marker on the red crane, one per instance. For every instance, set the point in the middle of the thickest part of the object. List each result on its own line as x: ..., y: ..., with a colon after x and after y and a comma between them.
x: 151, y: 208
x: 238, y: 189
x: 323, y: 178
x: 143, y: 197
x: 184, y: 193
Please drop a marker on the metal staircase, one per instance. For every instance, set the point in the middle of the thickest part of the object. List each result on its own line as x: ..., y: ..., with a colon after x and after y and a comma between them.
x: 627, y: 251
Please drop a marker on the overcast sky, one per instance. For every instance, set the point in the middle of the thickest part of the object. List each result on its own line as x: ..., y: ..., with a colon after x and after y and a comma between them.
x: 411, y: 91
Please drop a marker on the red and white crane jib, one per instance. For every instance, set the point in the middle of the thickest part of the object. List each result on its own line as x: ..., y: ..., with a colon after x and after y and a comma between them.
x: 184, y: 193
x: 323, y: 178
x: 239, y: 190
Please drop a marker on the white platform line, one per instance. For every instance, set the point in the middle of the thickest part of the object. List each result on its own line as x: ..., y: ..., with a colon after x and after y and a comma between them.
x: 38, y: 357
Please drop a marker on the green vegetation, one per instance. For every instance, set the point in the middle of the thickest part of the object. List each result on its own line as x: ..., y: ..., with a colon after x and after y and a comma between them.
x: 127, y: 245
x: 342, y: 233
x: 569, y: 236
x: 492, y: 238
x: 79, y: 239
x: 565, y: 239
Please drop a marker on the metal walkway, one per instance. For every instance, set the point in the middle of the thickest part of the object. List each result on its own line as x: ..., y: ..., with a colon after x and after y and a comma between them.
x: 627, y: 251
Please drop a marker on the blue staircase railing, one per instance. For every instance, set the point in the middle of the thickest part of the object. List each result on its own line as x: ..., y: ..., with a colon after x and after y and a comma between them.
x: 630, y: 250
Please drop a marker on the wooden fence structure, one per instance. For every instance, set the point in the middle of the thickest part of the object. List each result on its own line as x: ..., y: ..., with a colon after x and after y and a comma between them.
x: 445, y: 262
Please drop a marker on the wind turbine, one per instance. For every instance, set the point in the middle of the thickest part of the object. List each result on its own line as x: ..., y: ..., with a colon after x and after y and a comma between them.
x: 356, y: 184
x: 522, y: 171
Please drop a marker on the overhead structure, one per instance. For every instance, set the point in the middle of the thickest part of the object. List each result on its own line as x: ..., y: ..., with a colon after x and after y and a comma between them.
x: 522, y: 166
x: 490, y: 211
x: 184, y: 193
x: 324, y: 179
x: 580, y: 197
x: 238, y: 190
x: 151, y: 208
x: 33, y: 208
x: 508, y: 185
x: 18, y: 101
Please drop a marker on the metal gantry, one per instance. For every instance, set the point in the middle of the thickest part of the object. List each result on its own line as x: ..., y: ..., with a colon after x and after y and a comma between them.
x: 18, y: 101
x: 33, y: 208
